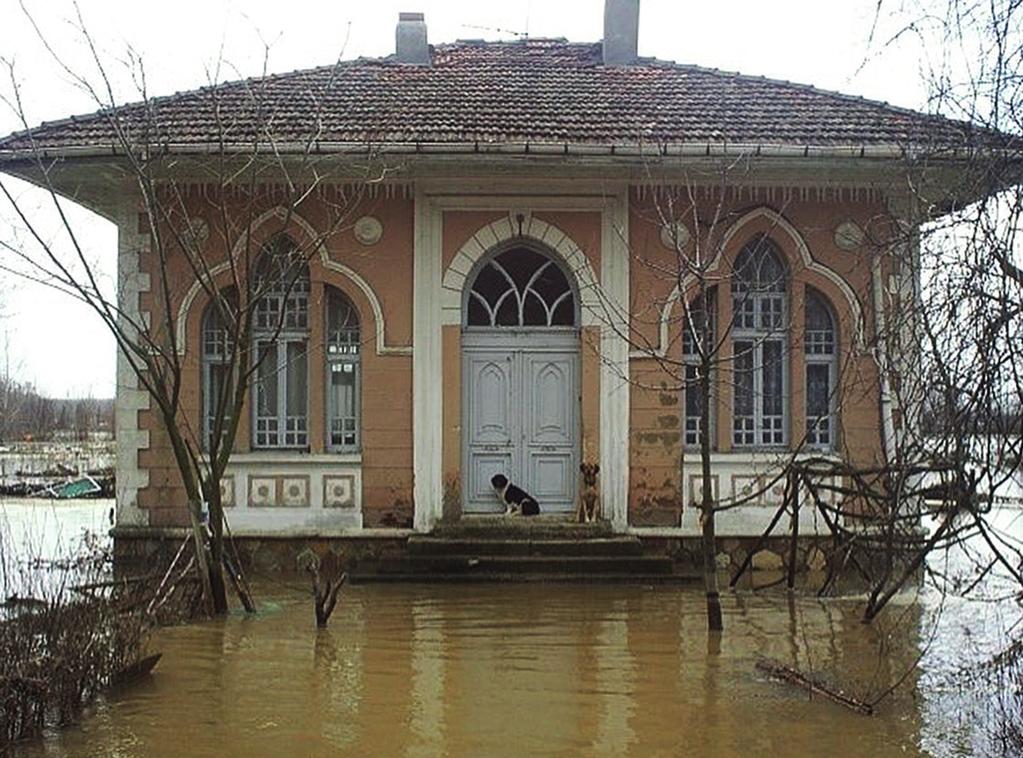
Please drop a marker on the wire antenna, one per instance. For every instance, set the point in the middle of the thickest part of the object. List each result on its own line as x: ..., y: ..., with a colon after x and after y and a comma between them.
x: 520, y: 35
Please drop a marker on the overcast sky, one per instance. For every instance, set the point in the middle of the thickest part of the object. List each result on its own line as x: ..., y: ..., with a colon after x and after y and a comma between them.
x: 64, y: 349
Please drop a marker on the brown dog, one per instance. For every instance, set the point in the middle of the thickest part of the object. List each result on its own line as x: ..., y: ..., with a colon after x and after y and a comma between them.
x: 589, y: 500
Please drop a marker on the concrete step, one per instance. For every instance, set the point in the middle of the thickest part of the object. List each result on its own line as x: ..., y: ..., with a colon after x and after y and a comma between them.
x: 513, y: 578
x: 477, y: 546
x: 554, y: 527
x: 505, y: 565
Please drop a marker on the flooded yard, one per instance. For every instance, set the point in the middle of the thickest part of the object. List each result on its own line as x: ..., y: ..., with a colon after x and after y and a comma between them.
x: 495, y: 670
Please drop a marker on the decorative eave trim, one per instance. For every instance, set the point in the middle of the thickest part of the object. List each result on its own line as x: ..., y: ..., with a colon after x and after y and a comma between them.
x: 881, y: 151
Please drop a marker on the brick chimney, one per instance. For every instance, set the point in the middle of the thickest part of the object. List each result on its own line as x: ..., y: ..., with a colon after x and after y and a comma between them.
x: 621, y: 32
x: 410, y: 39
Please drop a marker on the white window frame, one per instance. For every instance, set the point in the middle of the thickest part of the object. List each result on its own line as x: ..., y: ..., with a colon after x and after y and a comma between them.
x: 343, y: 354
x: 691, y: 371
x: 211, y: 357
x: 828, y: 357
x: 760, y: 317
x: 292, y: 311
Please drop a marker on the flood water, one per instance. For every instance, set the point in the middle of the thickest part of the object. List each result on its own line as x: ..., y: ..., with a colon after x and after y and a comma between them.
x: 515, y: 670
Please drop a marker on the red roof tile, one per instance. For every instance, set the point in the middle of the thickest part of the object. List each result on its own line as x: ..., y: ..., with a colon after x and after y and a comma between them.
x: 536, y: 91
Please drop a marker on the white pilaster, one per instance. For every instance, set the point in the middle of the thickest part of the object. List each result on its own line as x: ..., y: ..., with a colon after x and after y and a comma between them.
x: 614, y: 354
x: 427, y: 367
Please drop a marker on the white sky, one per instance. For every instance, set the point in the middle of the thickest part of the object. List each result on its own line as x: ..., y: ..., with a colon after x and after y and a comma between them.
x: 64, y: 349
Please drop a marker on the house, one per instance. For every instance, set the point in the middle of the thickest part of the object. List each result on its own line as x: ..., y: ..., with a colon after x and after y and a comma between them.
x: 506, y: 296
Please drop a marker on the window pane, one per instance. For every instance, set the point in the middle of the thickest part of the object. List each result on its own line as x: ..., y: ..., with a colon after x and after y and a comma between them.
x: 818, y: 389
x: 819, y: 338
x: 694, y: 405
x: 266, y: 432
x: 343, y: 404
x: 743, y: 425
x: 266, y: 387
x: 297, y: 390
x: 743, y: 378
x: 772, y: 377
x: 773, y: 423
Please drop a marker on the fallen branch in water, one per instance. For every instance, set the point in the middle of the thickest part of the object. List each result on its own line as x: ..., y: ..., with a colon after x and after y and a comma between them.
x: 795, y: 677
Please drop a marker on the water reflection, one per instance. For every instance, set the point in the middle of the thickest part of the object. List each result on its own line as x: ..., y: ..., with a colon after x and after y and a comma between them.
x: 509, y: 670
x: 514, y: 670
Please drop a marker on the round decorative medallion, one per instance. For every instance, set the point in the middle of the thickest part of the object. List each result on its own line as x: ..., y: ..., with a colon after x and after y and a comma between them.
x: 675, y: 235
x: 849, y: 235
x: 368, y: 230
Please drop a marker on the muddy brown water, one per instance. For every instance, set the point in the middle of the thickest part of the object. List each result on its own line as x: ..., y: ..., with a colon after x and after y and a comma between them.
x: 516, y: 670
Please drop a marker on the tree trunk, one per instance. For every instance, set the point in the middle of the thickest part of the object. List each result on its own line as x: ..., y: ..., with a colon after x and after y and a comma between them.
x: 710, y: 568
x: 218, y: 587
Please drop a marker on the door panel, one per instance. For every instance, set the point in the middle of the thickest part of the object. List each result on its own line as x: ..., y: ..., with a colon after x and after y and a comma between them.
x: 520, y: 417
x: 490, y: 400
x: 553, y: 478
x: 552, y: 399
x: 484, y: 465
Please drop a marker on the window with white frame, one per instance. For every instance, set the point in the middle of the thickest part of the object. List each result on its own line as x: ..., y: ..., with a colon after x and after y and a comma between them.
x: 343, y: 373
x: 281, y: 347
x: 697, y: 340
x: 216, y: 368
x: 759, y: 346
x: 820, y: 347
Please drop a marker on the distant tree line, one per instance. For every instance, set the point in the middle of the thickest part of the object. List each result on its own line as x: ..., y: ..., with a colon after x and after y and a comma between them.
x: 26, y: 415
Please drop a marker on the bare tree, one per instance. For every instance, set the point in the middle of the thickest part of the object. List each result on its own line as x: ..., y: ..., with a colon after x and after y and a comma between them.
x: 210, y: 239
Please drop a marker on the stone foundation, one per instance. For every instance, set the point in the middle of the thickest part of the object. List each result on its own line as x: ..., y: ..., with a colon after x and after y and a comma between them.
x: 135, y: 549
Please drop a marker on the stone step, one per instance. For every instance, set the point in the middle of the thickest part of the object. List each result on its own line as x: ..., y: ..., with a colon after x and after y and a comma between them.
x: 478, y: 546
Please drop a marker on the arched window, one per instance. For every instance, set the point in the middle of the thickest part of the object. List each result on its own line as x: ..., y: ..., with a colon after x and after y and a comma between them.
x: 217, y: 396
x: 820, y: 346
x: 698, y: 329
x: 343, y: 373
x: 521, y: 287
x: 281, y: 345
x: 759, y: 346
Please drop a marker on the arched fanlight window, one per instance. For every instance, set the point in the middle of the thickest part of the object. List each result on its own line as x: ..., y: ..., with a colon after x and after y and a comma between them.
x: 521, y: 287
x: 759, y: 345
x: 343, y: 373
x: 698, y: 329
x: 820, y: 345
x: 216, y: 365
x: 281, y: 345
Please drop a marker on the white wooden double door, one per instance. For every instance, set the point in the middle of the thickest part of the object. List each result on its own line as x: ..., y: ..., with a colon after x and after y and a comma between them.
x: 520, y: 415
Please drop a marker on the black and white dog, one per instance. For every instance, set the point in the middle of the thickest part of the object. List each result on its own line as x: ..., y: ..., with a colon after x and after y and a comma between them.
x: 514, y: 498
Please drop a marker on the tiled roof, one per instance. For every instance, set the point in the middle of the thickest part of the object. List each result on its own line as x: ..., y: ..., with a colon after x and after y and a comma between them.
x: 542, y: 92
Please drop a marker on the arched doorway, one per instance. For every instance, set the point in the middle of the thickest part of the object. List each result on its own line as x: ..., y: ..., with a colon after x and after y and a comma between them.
x: 520, y: 379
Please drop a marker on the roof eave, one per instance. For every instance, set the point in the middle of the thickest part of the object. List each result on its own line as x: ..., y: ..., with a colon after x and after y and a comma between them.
x: 630, y: 149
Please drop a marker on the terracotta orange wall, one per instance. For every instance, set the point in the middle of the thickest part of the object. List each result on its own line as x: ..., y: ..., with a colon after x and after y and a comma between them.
x: 386, y: 379
x: 656, y: 406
